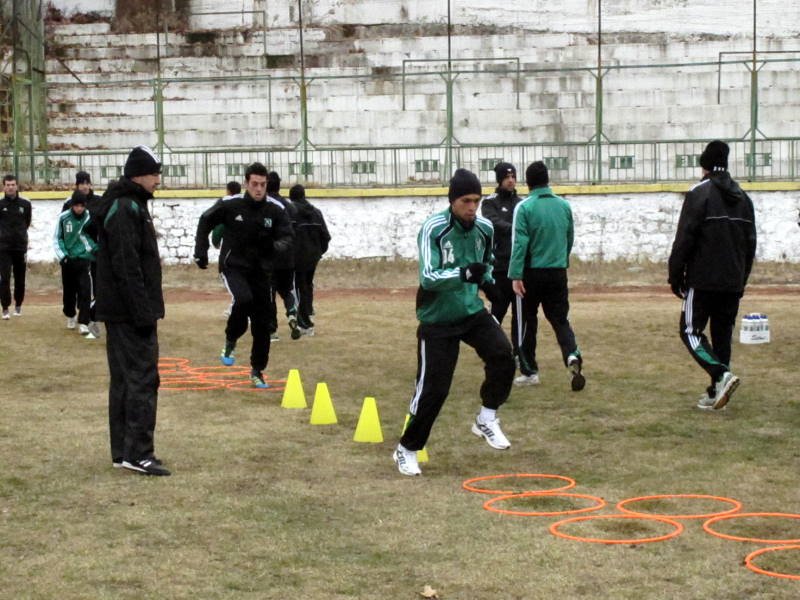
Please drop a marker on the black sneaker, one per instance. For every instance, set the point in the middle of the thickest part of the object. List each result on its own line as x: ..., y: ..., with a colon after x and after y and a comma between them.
x: 577, y: 380
x: 296, y: 333
x: 146, y: 466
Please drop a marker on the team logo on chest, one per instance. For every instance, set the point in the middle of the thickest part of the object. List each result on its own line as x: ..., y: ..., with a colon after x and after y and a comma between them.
x: 267, y: 223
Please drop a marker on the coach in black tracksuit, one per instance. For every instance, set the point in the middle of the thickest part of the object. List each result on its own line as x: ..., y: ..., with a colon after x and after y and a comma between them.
x: 130, y: 302
x: 15, y: 219
x: 257, y: 230
x: 711, y: 259
x: 499, y: 209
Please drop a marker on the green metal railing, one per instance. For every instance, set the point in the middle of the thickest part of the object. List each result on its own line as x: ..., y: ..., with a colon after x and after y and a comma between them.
x: 402, y: 166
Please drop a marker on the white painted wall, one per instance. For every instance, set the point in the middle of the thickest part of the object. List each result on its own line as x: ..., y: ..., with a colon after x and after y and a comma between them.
x: 71, y: 7
x: 636, y: 227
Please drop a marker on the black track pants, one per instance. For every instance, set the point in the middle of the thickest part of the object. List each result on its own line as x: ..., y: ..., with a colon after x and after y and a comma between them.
x: 252, y: 300
x: 12, y: 260
x: 437, y: 355
x: 700, y: 307
x: 133, y: 389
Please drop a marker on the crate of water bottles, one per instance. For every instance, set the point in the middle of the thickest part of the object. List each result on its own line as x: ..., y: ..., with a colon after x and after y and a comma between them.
x: 754, y: 329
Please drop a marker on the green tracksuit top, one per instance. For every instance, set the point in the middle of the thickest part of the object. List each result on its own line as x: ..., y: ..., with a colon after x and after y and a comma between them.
x: 70, y: 239
x: 445, y: 246
x: 542, y: 233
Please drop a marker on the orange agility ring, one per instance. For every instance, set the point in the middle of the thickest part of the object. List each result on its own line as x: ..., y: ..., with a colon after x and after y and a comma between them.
x: 707, y: 527
x: 467, y: 485
x: 622, y: 506
x: 489, y: 504
x: 748, y: 561
x: 678, y: 528
x: 189, y: 385
x: 167, y: 361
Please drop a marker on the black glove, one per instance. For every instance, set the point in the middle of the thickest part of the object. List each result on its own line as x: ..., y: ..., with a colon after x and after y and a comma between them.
x: 201, y: 261
x: 64, y: 261
x: 492, y: 293
x: 473, y: 272
x: 678, y: 290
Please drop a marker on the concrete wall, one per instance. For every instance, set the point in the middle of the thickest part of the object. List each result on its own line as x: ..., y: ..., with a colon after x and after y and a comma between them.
x: 628, y: 226
x: 372, y: 38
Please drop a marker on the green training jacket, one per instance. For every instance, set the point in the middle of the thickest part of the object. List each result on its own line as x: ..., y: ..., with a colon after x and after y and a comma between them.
x: 542, y: 233
x: 70, y: 239
x: 444, y: 247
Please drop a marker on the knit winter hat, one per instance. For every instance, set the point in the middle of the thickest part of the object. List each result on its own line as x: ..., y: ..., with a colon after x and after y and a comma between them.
x: 503, y: 170
x: 536, y: 175
x: 78, y: 198
x: 82, y: 177
x: 141, y: 161
x: 297, y: 192
x: 463, y: 183
x: 715, y: 156
x: 273, y: 182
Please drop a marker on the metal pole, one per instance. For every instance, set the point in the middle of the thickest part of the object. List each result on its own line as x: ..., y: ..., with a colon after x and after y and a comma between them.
x: 753, y: 101
x: 449, y: 91
x: 303, y: 93
x: 598, y: 108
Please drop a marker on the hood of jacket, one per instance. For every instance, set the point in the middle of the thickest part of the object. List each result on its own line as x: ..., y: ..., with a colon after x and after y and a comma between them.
x: 118, y: 189
x: 729, y: 190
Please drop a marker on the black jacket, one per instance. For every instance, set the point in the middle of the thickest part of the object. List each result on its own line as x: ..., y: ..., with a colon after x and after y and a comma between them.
x: 312, y: 236
x: 285, y: 260
x: 499, y: 209
x: 257, y: 233
x: 128, y: 262
x: 715, y: 243
x: 15, y: 218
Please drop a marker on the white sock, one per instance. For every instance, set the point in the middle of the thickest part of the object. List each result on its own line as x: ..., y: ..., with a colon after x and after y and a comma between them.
x: 487, y: 414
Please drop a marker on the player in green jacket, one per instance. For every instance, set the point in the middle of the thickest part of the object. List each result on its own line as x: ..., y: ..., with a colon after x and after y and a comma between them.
x: 455, y: 257
x: 541, y: 241
x: 75, y: 251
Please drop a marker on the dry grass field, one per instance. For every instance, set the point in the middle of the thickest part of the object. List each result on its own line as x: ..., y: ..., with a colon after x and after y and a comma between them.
x: 262, y: 504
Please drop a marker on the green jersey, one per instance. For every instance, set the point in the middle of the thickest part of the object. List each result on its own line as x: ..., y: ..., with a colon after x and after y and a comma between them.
x: 70, y: 239
x: 542, y: 233
x: 445, y: 246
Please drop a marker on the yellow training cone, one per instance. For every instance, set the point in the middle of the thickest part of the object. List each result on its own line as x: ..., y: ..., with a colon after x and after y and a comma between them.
x: 422, y: 455
x: 369, y: 424
x: 293, y: 395
x: 322, y: 412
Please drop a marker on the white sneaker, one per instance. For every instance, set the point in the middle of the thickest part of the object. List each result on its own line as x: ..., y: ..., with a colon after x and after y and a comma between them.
x: 527, y: 379
x: 406, y: 461
x: 17, y: 311
x: 6, y: 316
x: 71, y: 322
x: 94, y: 329
x: 705, y: 402
x: 83, y: 329
x: 724, y: 389
x: 491, y: 432
x: 90, y: 336
x: 307, y: 331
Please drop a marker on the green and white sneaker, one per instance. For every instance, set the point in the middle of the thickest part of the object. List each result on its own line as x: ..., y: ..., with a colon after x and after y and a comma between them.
x: 226, y: 356
x: 257, y: 379
x: 725, y: 387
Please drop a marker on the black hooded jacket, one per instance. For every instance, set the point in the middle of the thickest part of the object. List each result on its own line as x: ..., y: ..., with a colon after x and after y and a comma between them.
x: 128, y: 262
x: 312, y: 235
x: 499, y: 209
x: 715, y: 243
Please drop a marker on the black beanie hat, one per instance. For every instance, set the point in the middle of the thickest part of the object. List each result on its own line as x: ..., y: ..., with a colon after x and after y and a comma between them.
x: 463, y: 183
x: 78, y: 198
x: 715, y: 156
x: 503, y: 170
x: 536, y: 175
x: 273, y: 182
x: 141, y: 161
x: 297, y: 192
x: 82, y: 177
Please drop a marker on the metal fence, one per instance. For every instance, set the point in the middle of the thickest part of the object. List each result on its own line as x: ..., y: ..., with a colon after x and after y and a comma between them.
x: 624, y: 162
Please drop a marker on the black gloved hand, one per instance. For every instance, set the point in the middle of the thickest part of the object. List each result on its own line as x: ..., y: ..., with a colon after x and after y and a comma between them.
x: 64, y: 261
x: 473, y: 272
x: 678, y: 290
x: 201, y: 261
x: 492, y: 293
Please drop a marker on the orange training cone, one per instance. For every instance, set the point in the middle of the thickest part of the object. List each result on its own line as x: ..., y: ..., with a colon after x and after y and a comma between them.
x: 422, y: 455
x: 369, y: 424
x: 322, y: 412
x: 293, y: 395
